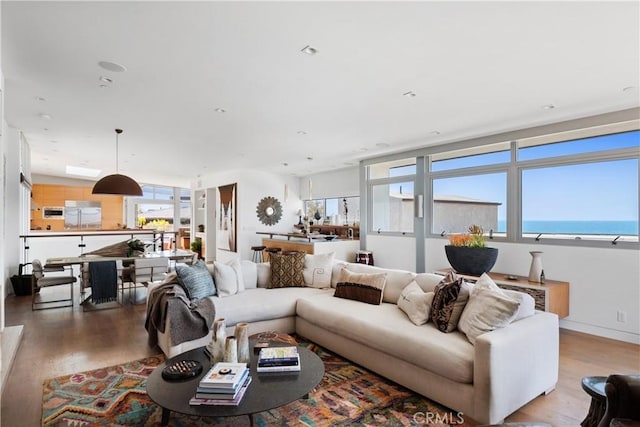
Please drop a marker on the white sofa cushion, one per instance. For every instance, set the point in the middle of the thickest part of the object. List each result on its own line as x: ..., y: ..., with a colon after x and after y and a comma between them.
x: 397, y: 280
x: 249, y: 274
x: 387, y: 329
x: 318, y: 269
x: 260, y: 304
x: 428, y: 281
x: 488, y: 309
x: 228, y: 278
x: 416, y: 303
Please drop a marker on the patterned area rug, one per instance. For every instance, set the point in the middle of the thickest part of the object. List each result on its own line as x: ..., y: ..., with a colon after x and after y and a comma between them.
x: 348, y: 395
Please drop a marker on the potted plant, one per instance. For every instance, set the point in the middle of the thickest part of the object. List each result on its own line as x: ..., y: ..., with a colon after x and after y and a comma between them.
x: 468, y: 253
x: 196, y: 246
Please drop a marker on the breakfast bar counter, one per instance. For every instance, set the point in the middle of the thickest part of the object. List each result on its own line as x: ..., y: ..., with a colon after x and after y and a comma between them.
x: 344, y: 249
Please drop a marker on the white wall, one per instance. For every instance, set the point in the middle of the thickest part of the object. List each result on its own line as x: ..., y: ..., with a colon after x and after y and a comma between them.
x: 327, y: 185
x: 253, y: 185
x: 11, y: 208
x: 602, y: 282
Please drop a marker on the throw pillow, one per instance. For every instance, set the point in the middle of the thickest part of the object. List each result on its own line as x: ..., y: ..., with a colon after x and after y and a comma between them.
x: 361, y: 286
x: 526, y: 301
x: 286, y: 270
x: 416, y: 303
x: 196, y: 280
x: 317, y: 270
x: 449, y: 299
x: 488, y: 309
x: 228, y: 278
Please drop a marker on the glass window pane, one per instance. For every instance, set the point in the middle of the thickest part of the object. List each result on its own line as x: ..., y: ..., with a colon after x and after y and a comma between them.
x: 392, y: 207
x: 185, y: 214
x: 394, y: 168
x: 587, y: 200
x: 470, y: 157
x: 580, y: 146
x: 467, y: 200
x: 154, y: 216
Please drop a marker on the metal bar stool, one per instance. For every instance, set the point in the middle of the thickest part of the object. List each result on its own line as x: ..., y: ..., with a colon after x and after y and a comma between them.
x: 272, y: 251
x: 257, y: 253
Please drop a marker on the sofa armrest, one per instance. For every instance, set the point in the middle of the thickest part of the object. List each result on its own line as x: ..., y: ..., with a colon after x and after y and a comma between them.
x: 515, y: 364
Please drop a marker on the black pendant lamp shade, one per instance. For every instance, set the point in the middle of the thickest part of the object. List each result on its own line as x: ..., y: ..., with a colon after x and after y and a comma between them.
x: 117, y: 183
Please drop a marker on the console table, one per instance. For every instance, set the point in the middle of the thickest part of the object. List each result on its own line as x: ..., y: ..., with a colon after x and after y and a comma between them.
x: 552, y: 296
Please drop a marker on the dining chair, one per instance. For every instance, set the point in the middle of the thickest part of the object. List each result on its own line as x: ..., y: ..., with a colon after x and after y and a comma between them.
x: 144, y: 271
x: 40, y: 281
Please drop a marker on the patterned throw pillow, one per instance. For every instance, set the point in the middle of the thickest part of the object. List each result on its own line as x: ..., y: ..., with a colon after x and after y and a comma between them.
x: 361, y: 286
x: 450, y: 297
x: 196, y: 280
x: 286, y: 270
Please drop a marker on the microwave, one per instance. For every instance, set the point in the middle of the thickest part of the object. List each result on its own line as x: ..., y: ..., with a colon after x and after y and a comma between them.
x: 53, y: 212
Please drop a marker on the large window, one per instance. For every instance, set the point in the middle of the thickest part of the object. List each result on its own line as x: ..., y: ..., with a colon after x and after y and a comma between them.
x: 156, y: 209
x: 590, y: 200
x: 392, y: 196
x: 462, y: 201
x: 575, y: 187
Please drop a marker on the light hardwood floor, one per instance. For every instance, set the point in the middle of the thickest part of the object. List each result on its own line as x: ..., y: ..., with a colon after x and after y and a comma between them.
x: 62, y: 341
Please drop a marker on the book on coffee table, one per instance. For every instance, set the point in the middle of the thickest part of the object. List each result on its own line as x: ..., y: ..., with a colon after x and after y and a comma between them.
x: 278, y: 356
x: 221, y: 399
x: 225, y: 376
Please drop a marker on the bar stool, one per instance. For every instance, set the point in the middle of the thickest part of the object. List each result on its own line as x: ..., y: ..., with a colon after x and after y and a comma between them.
x: 271, y: 251
x: 257, y: 253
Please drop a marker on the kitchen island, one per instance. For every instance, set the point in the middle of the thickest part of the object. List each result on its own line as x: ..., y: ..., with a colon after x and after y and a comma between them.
x: 344, y: 249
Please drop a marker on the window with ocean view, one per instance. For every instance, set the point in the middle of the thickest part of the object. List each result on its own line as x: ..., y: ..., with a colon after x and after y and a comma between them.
x: 578, y: 187
x: 598, y: 199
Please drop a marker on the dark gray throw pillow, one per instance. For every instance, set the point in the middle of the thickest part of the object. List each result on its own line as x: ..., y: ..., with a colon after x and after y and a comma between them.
x: 196, y: 280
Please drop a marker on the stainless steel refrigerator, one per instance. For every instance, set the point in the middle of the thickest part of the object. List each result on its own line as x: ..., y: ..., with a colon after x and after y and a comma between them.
x: 82, y: 215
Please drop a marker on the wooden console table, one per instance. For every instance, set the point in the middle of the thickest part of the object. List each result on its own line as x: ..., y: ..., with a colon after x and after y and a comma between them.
x: 553, y: 296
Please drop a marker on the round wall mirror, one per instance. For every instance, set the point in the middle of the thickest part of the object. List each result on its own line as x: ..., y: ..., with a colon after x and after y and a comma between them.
x: 269, y: 210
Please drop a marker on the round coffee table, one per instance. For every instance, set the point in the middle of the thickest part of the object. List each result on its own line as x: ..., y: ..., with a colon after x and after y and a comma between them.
x: 266, y: 391
x: 594, y: 386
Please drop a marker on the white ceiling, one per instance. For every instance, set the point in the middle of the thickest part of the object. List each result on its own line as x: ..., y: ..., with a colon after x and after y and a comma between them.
x: 476, y: 68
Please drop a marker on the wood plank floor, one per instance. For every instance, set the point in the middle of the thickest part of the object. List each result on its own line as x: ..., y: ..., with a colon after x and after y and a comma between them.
x: 62, y: 341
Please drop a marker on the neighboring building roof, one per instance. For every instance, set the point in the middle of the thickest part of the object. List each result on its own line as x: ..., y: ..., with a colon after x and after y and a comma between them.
x: 447, y: 199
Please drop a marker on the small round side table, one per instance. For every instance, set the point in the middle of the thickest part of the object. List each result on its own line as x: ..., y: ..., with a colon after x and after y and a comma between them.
x: 594, y: 386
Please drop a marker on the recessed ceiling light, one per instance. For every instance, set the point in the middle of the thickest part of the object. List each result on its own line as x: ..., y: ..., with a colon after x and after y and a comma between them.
x: 301, y: 132
x: 285, y: 164
x: 309, y: 158
x: 103, y: 86
x: 409, y: 94
x: 40, y: 99
x: 105, y: 79
x: 309, y: 50
x: 382, y: 145
x: 45, y: 116
x: 79, y: 171
x: 112, y: 66
x: 628, y: 89
x: 434, y: 132
x: 220, y: 110
x: 548, y: 107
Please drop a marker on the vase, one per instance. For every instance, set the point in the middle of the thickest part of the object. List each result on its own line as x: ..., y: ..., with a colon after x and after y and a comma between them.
x: 470, y: 260
x: 218, y: 342
x: 536, y: 266
x: 242, y: 338
x: 231, y: 350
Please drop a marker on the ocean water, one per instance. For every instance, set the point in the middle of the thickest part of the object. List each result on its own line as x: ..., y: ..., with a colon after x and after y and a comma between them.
x: 613, y: 228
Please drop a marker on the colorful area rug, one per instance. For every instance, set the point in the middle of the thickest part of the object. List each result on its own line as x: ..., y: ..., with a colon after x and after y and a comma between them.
x: 348, y: 395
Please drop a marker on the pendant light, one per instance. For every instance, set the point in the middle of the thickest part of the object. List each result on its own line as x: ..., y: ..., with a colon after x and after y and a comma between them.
x: 116, y: 183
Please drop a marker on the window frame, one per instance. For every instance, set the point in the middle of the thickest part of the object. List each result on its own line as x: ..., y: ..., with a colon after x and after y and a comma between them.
x: 513, y: 169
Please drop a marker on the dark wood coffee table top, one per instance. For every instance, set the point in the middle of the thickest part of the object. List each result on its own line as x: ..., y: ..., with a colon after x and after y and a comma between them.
x: 266, y: 391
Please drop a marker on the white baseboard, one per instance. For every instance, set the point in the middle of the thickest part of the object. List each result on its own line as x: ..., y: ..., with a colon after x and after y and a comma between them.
x: 11, y: 338
x: 601, y: 332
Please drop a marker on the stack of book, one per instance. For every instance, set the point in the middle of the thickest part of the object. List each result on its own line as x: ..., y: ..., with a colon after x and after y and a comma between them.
x: 279, y: 359
x: 224, y: 384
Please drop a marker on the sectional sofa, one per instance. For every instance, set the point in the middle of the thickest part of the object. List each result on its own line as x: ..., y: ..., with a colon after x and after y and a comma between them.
x: 488, y: 380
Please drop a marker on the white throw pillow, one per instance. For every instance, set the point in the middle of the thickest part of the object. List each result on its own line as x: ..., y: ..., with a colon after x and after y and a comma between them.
x: 228, y: 278
x: 264, y: 274
x: 488, y: 309
x: 416, y: 303
x: 317, y: 270
x: 249, y: 274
